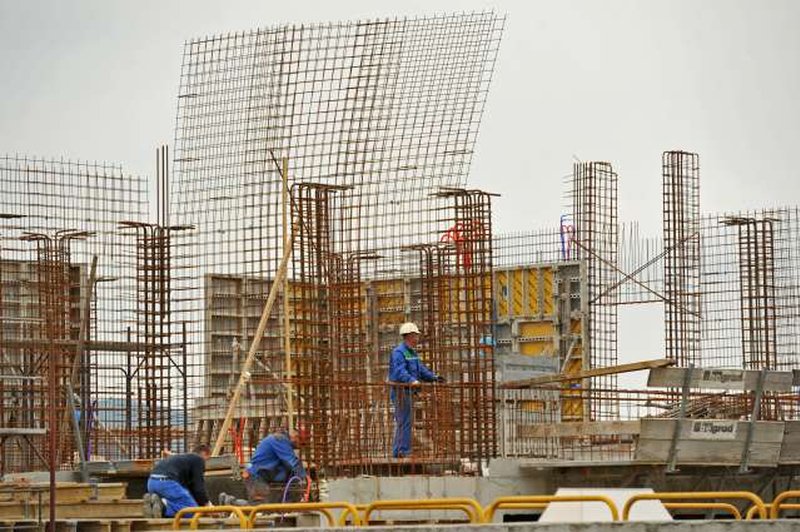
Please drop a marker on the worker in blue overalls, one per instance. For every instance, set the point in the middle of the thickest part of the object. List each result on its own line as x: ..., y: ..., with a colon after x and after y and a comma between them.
x: 275, y: 472
x: 406, y: 371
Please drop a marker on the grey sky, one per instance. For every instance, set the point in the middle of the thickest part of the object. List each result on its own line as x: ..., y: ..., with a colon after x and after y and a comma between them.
x: 619, y: 81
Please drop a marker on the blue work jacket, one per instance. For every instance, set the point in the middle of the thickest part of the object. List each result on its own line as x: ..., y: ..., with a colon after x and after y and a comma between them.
x: 276, y: 455
x: 406, y: 367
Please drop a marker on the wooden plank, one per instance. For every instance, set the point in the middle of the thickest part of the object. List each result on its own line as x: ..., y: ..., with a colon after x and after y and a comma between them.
x: 129, y: 524
x: 708, y: 453
x: 142, y: 468
x: 595, y: 372
x: 589, y: 428
x: 720, y: 379
x: 84, y: 510
x: 13, y: 431
x: 662, y: 429
x: 790, y: 450
x: 66, y: 492
x: 698, y: 444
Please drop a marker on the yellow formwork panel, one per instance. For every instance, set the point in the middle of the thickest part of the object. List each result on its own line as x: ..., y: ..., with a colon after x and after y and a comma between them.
x: 532, y: 406
x: 537, y: 328
x: 501, y: 294
x: 571, y: 407
x: 536, y: 338
x: 390, y: 301
x: 531, y: 285
x: 535, y: 348
x: 517, y: 293
x: 549, y: 301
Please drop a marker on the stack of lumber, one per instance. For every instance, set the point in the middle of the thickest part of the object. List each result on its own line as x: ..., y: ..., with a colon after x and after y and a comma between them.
x: 30, y: 500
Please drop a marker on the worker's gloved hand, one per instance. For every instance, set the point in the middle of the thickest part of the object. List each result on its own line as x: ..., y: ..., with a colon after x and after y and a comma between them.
x: 440, y: 379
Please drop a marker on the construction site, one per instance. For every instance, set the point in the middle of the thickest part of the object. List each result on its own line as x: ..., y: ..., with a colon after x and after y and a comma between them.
x: 316, y: 196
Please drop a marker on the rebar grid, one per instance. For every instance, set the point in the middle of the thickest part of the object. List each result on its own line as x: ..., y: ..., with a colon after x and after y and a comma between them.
x: 391, y: 109
x: 55, y: 198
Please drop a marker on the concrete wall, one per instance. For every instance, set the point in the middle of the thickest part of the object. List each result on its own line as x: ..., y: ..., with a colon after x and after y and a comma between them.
x: 505, y: 478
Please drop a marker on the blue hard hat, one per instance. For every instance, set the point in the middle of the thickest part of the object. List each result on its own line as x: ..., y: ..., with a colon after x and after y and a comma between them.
x: 487, y: 341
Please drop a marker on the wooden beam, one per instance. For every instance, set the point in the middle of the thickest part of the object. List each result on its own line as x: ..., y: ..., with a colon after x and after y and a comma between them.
x: 13, y: 431
x: 244, y: 376
x: 721, y: 379
x: 595, y: 372
x: 570, y: 430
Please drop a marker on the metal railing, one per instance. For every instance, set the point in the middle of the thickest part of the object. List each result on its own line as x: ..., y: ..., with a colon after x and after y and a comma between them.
x: 726, y: 506
x: 360, y: 515
x: 699, y: 495
x: 536, y: 501
x: 470, y: 507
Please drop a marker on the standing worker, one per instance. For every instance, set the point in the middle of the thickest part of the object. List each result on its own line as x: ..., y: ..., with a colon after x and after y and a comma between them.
x: 177, y: 482
x: 406, y: 371
x: 275, y: 473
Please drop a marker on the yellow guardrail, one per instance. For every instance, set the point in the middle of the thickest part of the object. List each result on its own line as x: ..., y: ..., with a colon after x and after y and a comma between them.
x: 360, y: 514
x: 728, y: 507
x: 244, y: 523
x: 347, y: 513
x: 699, y: 495
x: 535, y: 501
x: 778, y: 504
x: 469, y: 506
x: 323, y: 508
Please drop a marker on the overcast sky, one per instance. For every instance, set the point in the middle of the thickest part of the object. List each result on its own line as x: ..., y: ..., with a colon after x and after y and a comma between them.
x: 617, y: 80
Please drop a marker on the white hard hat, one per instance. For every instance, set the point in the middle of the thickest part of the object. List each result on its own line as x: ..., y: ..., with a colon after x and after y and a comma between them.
x: 408, y: 328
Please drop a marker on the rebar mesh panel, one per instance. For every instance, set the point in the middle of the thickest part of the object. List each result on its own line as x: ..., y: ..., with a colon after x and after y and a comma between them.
x: 388, y: 107
x: 45, y: 197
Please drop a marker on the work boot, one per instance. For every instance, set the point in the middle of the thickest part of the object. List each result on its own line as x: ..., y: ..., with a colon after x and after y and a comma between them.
x: 152, y: 506
x: 230, y: 500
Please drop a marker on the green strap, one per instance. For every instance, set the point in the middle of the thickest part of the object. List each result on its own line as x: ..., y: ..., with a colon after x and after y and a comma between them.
x: 409, y: 354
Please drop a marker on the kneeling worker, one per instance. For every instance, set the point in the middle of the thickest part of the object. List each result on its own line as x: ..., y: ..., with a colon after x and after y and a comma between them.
x: 177, y: 482
x: 275, y: 473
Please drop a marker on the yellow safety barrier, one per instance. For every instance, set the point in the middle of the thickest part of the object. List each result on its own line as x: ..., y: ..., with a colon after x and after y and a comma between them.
x: 699, y: 495
x: 778, y: 504
x: 321, y: 507
x: 728, y: 507
x: 347, y: 513
x: 535, y: 501
x: 468, y: 506
x: 244, y: 523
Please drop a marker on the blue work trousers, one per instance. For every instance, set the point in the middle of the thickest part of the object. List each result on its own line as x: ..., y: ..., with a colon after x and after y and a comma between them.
x: 403, y: 419
x: 177, y: 496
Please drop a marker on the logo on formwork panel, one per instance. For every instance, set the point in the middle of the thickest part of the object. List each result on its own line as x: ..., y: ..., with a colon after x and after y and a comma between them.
x: 722, y: 376
x: 714, y: 430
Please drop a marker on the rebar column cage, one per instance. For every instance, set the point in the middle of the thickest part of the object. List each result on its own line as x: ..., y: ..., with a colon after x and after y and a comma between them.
x: 594, y: 218
x: 681, y: 226
x: 756, y: 243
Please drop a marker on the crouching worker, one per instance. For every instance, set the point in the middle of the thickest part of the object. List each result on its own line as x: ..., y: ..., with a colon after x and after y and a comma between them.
x: 275, y: 473
x: 177, y: 482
